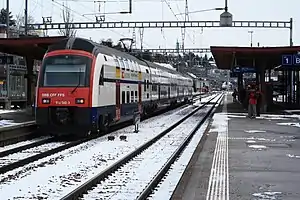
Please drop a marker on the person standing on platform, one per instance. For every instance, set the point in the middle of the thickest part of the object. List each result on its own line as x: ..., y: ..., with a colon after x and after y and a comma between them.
x: 258, y: 104
x: 252, y: 104
x: 234, y: 94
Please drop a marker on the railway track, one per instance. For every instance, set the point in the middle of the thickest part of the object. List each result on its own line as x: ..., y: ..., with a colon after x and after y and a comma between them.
x: 74, y: 166
x: 13, y: 158
x: 19, y: 148
x: 112, y: 175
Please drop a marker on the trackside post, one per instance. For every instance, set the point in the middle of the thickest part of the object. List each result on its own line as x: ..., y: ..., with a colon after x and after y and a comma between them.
x: 136, y: 121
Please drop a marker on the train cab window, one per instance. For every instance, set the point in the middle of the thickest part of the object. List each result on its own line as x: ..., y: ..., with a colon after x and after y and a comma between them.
x: 128, y: 97
x: 65, y: 71
x: 123, y: 97
x: 101, y: 78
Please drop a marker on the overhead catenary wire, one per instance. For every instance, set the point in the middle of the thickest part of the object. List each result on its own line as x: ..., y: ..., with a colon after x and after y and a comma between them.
x: 78, y: 13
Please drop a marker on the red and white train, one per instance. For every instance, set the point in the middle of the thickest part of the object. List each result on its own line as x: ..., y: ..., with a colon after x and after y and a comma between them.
x: 84, y: 87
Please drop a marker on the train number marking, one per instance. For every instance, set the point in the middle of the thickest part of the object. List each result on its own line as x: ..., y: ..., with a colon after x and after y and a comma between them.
x: 53, y: 95
x: 62, y: 102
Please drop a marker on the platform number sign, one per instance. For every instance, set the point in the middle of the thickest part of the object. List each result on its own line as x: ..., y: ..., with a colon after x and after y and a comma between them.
x: 287, y: 60
x: 296, y: 59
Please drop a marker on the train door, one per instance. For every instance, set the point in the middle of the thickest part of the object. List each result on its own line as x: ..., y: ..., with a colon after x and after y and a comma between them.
x: 140, y: 97
x: 139, y: 90
x: 147, y: 83
x: 118, y: 105
x: 158, y: 91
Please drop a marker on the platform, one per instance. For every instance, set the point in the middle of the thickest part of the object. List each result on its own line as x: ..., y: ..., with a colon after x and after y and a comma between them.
x: 17, y: 116
x: 243, y: 159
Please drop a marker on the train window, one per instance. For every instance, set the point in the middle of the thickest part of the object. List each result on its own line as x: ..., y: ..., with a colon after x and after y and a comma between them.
x: 137, y: 67
x: 127, y: 65
x: 136, y: 96
x: 101, y: 78
x: 105, y: 58
x: 154, y: 87
x: 123, y: 97
x: 117, y: 62
x: 132, y: 96
x: 144, y: 85
x: 147, y: 84
x: 147, y: 71
x: 131, y: 64
x: 127, y: 97
x: 122, y: 64
x: 147, y: 95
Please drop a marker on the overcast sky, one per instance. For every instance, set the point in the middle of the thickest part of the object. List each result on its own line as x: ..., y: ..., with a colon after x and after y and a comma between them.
x: 156, y: 10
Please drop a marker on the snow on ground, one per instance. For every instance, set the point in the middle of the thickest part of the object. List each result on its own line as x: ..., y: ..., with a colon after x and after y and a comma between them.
x: 165, y: 188
x: 289, y: 124
x: 133, y: 177
x: 23, y: 143
x: 58, y: 174
x: 6, y: 160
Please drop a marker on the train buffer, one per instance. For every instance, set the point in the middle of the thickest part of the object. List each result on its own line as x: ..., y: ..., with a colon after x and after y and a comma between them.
x: 243, y: 158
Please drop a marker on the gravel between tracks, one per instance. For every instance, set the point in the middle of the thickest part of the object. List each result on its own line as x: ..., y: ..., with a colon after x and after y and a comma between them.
x: 134, y: 176
x: 56, y: 175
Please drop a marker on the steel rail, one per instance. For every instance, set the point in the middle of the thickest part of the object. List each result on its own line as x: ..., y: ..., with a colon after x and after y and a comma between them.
x: 36, y: 157
x: 79, y: 191
x: 163, y: 171
x: 24, y: 147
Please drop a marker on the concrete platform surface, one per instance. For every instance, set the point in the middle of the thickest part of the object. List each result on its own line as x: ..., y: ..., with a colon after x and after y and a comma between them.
x: 17, y: 116
x: 245, y: 159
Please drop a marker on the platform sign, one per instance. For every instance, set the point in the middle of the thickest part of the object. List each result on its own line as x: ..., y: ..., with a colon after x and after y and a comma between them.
x: 296, y: 59
x: 244, y: 70
x: 287, y: 60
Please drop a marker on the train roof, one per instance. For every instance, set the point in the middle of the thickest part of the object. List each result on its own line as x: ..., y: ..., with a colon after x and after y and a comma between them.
x: 88, y: 45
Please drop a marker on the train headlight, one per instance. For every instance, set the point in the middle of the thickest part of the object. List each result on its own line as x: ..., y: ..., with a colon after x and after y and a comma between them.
x: 45, y: 101
x: 79, y: 101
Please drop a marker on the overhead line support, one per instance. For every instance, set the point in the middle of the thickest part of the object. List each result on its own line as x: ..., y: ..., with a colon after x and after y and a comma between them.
x: 160, y: 24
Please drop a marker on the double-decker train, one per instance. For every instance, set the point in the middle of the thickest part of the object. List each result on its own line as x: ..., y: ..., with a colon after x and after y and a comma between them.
x: 84, y: 87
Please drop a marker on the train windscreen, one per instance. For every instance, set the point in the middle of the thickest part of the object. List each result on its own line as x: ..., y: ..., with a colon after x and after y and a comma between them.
x: 65, y: 71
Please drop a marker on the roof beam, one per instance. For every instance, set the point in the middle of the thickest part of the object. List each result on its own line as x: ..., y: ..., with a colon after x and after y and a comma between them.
x: 192, y: 50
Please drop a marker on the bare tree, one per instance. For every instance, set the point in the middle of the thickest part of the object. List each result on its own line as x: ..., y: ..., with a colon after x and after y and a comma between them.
x: 20, y: 21
x: 67, y: 18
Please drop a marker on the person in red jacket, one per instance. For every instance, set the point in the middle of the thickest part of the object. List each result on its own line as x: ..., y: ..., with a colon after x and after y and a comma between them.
x: 252, y: 104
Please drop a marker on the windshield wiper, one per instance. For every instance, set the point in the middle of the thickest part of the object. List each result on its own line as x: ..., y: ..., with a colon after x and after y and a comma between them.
x: 78, y: 82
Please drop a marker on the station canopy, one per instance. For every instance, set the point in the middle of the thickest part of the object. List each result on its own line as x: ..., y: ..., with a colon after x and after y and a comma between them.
x: 32, y: 47
x: 271, y: 57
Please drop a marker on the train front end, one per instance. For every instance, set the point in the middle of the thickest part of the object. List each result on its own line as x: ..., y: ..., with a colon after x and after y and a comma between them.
x: 63, y: 103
